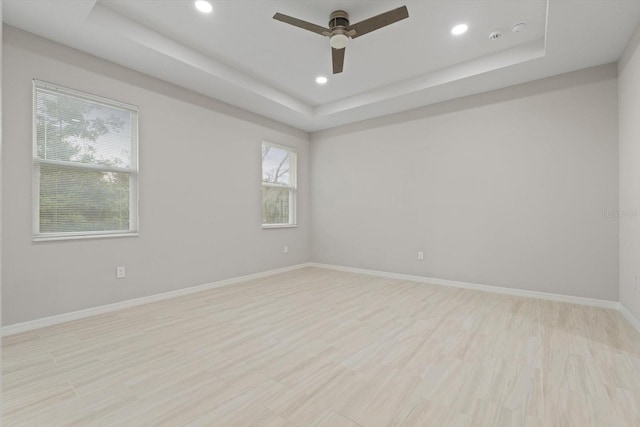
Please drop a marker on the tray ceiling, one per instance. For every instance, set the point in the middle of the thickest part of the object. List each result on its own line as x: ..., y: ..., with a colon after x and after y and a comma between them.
x: 240, y: 55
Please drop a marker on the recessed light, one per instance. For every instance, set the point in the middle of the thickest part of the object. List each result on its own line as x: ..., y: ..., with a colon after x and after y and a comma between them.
x: 204, y: 6
x: 321, y: 80
x: 459, y: 29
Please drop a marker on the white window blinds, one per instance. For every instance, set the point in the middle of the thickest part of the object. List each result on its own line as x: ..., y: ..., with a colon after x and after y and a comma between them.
x: 85, y: 164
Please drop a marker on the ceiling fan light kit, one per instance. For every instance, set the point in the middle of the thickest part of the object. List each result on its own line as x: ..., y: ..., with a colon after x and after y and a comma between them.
x: 340, y: 31
x: 339, y: 41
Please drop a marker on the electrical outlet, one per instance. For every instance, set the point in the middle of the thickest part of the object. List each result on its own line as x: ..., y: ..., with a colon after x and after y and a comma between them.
x: 285, y: 250
x: 420, y: 256
x: 120, y: 272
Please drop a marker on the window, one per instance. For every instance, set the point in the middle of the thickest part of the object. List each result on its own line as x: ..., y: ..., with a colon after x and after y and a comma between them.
x: 278, y: 186
x: 85, y: 165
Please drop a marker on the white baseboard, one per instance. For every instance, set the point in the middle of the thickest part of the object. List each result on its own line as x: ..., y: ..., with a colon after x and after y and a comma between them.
x: 629, y: 316
x: 477, y: 287
x: 66, y: 317
x: 16, y: 328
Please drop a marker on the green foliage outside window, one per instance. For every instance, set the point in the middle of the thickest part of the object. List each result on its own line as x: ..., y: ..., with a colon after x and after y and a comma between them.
x: 74, y: 139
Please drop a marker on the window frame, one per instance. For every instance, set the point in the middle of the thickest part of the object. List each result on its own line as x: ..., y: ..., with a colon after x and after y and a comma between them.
x: 293, y: 186
x: 132, y: 171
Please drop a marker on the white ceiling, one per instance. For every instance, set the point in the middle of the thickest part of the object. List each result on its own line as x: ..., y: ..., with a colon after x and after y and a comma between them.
x: 240, y: 55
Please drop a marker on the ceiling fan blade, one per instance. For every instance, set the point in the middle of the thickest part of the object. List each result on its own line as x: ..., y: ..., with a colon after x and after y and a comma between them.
x: 337, y: 56
x: 379, y: 21
x: 301, y: 24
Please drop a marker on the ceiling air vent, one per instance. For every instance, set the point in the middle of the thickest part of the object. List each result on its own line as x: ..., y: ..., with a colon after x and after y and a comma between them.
x: 495, y: 35
x: 519, y: 27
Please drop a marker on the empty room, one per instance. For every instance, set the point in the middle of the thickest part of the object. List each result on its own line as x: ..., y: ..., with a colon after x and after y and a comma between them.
x: 246, y: 213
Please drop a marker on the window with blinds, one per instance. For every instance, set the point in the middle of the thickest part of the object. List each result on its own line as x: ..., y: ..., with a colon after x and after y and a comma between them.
x: 85, y: 164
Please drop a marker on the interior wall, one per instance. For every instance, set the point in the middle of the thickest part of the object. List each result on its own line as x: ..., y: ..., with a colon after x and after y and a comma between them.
x: 629, y: 211
x: 1, y: 151
x: 200, y: 173
x: 513, y: 188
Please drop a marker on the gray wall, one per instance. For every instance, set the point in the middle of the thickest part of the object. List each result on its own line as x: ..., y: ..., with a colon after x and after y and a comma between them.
x: 629, y: 99
x: 1, y: 151
x: 507, y: 188
x: 200, y: 217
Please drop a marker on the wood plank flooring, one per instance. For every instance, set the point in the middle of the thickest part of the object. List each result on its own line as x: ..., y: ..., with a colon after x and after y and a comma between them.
x: 315, y: 347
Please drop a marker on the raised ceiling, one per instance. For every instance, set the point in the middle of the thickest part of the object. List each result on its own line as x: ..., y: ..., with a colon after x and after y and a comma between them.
x: 240, y: 55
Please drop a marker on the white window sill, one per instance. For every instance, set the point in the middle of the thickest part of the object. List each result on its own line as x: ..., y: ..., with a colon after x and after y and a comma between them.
x: 81, y: 237
x: 267, y: 226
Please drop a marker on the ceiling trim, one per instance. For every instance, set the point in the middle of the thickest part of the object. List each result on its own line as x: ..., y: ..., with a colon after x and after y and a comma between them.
x: 152, y: 39
x: 630, y: 49
x: 563, y: 81
x: 34, y: 44
x: 138, y: 33
x: 485, y: 64
x: 502, y: 59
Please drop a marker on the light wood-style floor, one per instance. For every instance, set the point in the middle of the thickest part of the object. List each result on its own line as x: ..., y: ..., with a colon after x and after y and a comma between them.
x: 315, y: 347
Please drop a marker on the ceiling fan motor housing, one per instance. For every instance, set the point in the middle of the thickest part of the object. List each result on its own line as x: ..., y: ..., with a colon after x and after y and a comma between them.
x: 338, y: 18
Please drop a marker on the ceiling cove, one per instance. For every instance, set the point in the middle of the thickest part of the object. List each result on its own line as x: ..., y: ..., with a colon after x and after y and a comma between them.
x: 106, y: 15
x: 240, y: 55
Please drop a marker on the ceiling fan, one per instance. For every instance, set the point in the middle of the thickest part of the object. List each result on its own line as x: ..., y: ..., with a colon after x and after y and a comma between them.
x: 340, y: 31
